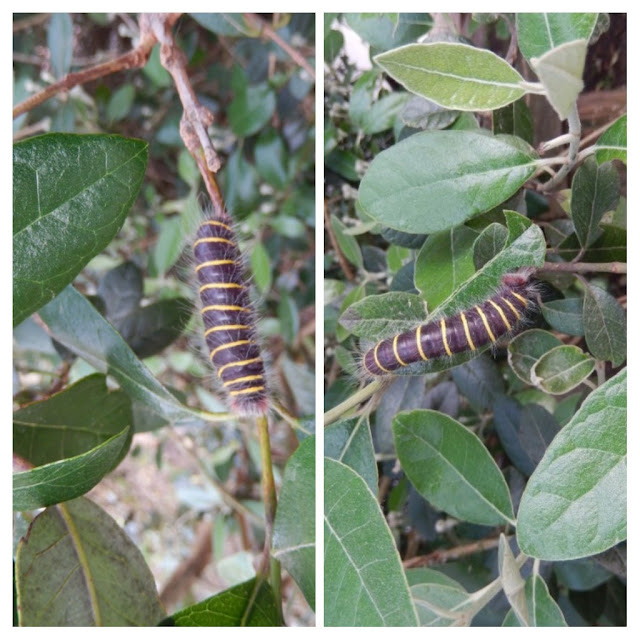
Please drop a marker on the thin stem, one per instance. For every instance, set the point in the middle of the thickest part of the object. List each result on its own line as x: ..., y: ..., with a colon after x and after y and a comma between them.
x: 289, y: 419
x: 575, y: 129
x: 352, y: 401
x: 265, y: 29
x: 584, y: 267
x: 565, y: 138
x: 270, y: 564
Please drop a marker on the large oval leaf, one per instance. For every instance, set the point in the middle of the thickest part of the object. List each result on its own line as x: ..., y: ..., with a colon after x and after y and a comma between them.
x: 451, y: 468
x: 364, y: 583
x: 294, y: 539
x: 435, y: 180
x: 77, y: 567
x: 454, y: 75
x: 575, y: 503
x: 71, y: 195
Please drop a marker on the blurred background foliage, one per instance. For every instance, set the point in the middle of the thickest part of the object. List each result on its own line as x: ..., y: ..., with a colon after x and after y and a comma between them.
x: 263, y: 103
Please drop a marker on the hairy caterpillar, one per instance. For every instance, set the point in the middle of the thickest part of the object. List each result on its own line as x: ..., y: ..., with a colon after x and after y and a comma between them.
x: 228, y: 316
x: 468, y: 330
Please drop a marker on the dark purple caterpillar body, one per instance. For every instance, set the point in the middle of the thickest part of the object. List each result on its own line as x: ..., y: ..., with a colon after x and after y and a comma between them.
x: 228, y: 316
x: 469, y: 330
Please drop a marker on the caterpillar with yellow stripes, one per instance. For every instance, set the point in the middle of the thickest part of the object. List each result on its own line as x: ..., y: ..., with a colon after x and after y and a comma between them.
x: 228, y: 316
x: 468, y: 331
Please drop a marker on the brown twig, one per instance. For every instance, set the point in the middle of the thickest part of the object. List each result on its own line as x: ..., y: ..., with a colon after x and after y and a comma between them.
x: 584, y: 267
x: 267, y: 31
x: 445, y: 555
x: 135, y: 58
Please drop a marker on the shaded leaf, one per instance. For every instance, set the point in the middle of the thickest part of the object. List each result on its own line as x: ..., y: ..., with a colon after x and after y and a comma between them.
x: 561, y: 369
x: 451, y: 468
x: 605, y: 326
x: 78, y: 568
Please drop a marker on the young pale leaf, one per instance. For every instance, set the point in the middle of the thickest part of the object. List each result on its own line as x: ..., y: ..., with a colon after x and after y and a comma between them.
x: 560, y: 71
x: 77, y: 567
x: 294, y: 528
x: 541, y: 32
x: 435, y: 180
x: 454, y: 75
x: 247, y: 604
x: 75, y: 323
x: 364, y: 582
x: 512, y: 582
x: 71, y: 195
x: 605, y: 326
x: 575, y: 502
x: 562, y: 369
x: 595, y: 190
x: 450, y: 467
x: 349, y: 442
x: 612, y: 143
x: 540, y: 608
x: 444, y: 263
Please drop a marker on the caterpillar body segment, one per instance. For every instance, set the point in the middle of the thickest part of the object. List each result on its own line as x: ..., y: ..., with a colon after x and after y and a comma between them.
x: 228, y: 316
x: 467, y: 331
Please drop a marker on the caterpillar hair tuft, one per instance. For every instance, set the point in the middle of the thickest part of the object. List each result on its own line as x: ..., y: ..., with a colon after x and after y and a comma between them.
x: 228, y: 316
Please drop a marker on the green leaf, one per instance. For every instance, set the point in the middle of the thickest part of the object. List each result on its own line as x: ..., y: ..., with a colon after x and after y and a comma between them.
x: 289, y: 318
x: 424, y: 114
x: 383, y: 315
x: 60, y: 42
x: 120, y: 103
x: 442, y: 605
x: 612, y: 143
x: 69, y: 423
x: 443, y: 263
x: 347, y: 243
x: 489, y: 244
x: 370, y: 115
x: 67, y: 479
x: 575, y: 503
x: 541, y: 32
x: 562, y: 369
x: 364, y: 582
x: 74, y: 322
x: 560, y: 72
x: 71, y: 195
x: 527, y: 348
x: 226, y: 24
x: 515, y: 119
x: 294, y: 532
x: 260, y: 267
x: 595, y: 190
x: 251, y: 108
x: 451, y: 468
x: 77, y: 567
x: 271, y: 159
x: 454, y: 75
x: 564, y: 315
x: 436, y: 180
x: 247, y: 604
x: 333, y: 43
x: 605, y: 326
x: 349, y: 441
x: 387, y: 30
